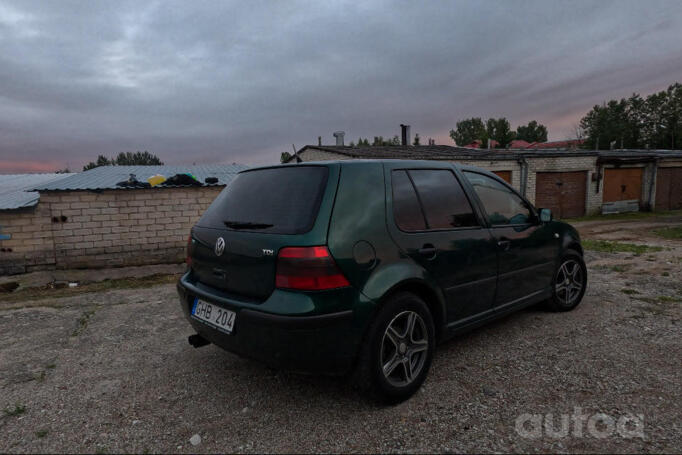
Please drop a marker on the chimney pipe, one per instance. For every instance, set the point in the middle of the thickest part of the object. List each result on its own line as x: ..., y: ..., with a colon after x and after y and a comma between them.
x: 339, y: 137
x: 319, y: 141
x: 405, y: 130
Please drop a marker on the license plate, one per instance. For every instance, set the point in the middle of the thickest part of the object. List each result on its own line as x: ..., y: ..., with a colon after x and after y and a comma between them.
x: 213, y: 315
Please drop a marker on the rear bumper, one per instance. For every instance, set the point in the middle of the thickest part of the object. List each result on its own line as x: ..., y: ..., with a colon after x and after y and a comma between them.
x: 310, y: 342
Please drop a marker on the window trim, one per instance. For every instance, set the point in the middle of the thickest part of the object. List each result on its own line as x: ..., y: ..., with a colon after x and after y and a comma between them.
x: 531, y: 207
x: 472, y: 205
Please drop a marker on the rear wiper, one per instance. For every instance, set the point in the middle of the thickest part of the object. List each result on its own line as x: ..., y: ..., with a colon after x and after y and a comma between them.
x: 246, y: 225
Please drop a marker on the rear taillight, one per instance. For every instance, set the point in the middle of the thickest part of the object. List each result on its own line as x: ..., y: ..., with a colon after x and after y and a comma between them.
x: 188, y: 259
x: 309, y: 268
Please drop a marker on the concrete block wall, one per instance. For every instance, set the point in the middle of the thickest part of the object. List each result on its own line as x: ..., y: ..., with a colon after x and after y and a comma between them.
x: 498, y: 165
x: 31, y: 244
x: 106, y: 229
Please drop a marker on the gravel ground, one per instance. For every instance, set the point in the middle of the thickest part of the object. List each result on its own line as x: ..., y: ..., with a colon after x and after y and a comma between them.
x: 112, y: 372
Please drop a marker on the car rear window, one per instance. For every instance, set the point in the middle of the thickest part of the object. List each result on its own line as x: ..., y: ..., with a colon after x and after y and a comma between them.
x: 281, y: 200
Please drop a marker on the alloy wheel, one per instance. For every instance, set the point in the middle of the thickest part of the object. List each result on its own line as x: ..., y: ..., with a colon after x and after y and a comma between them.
x: 569, y: 282
x: 404, y: 348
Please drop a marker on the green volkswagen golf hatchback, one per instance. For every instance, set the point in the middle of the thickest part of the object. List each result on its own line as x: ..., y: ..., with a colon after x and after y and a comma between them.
x: 363, y: 267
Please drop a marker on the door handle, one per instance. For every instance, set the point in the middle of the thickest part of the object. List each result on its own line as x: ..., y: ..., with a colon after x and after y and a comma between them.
x: 428, y: 251
x: 504, y: 244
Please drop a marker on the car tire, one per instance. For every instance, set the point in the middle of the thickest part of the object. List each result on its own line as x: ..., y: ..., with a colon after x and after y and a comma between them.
x: 569, y: 282
x: 396, y: 353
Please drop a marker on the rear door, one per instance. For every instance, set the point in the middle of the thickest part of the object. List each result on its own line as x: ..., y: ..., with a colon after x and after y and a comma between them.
x: 527, y: 248
x: 433, y: 222
x: 235, y: 243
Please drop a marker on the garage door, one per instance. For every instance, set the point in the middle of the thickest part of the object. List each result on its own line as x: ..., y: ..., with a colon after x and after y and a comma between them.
x: 561, y: 192
x: 623, y: 184
x: 669, y: 188
x: 504, y: 175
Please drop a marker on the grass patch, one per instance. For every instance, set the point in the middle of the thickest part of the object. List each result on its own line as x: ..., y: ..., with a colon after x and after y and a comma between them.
x: 41, y: 433
x: 46, y: 292
x: 82, y: 323
x: 606, y: 246
x: 668, y: 299
x: 624, y: 216
x: 629, y: 291
x: 647, y: 299
x: 671, y: 233
x: 17, y: 411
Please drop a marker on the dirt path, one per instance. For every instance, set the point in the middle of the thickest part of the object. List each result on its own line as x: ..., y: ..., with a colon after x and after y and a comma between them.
x: 112, y: 372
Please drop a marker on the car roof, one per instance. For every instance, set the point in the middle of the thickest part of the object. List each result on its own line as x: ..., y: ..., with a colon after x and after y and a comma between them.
x: 364, y: 162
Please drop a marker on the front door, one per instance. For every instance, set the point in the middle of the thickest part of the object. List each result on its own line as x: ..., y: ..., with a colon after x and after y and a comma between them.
x: 526, y: 248
x: 434, y: 224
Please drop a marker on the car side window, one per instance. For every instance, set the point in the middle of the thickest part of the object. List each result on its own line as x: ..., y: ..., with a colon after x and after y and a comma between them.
x: 443, y: 200
x: 503, y: 206
x: 438, y: 203
x: 406, y: 210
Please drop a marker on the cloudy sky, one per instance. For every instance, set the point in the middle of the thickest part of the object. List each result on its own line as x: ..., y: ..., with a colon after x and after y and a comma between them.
x: 222, y: 82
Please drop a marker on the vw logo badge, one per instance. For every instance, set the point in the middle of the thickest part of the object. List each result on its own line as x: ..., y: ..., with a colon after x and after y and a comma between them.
x: 219, y: 246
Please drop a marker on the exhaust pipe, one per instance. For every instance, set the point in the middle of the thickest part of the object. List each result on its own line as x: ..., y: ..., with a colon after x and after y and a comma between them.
x: 197, y: 340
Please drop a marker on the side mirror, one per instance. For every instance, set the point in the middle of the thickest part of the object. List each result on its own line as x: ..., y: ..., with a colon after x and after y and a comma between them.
x: 545, y: 215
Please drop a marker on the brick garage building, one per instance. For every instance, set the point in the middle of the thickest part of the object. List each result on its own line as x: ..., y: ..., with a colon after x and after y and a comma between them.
x: 571, y: 182
x: 86, y: 220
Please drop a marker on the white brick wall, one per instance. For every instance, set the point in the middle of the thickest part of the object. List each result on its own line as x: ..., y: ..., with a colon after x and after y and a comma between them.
x: 110, y: 228
x: 318, y: 155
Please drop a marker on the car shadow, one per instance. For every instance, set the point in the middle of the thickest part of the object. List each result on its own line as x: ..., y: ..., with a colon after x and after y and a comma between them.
x: 259, y: 385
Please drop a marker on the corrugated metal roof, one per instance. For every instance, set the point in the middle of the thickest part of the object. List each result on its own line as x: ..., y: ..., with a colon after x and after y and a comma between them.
x: 13, y: 189
x: 106, y: 177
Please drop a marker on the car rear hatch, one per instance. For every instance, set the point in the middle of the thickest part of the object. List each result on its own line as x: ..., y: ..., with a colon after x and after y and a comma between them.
x: 234, y: 245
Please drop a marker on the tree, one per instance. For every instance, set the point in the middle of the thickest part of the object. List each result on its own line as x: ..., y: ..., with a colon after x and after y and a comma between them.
x: 468, y: 130
x: 137, y: 159
x: 125, y: 159
x: 610, y: 123
x: 416, y: 139
x: 101, y: 161
x: 533, y: 132
x: 285, y: 157
x: 654, y: 122
x: 500, y: 131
